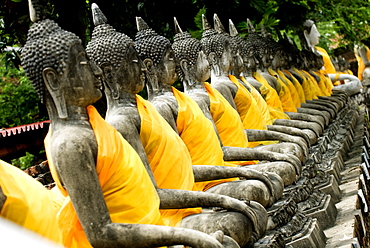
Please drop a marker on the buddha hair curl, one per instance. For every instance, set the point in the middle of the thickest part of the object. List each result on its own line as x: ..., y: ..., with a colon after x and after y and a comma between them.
x: 212, y: 41
x: 47, y: 45
x: 150, y: 45
x: 108, y: 45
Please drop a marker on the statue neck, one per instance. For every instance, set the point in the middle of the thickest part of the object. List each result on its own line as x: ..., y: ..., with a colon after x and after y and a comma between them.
x: 191, y: 86
x: 155, y: 88
x: 248, y: 72
x: 77, y: 115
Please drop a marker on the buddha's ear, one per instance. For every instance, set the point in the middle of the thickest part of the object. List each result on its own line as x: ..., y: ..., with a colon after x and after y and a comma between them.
x: 53, y: 85
x: 108, y: 79
x: 212, y: 58
x: 184, y: 65
x: 149, y: 65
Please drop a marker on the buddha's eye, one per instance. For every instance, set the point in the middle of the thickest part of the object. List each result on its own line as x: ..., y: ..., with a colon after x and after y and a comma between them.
x: 83, y: 62
x: 170, y: 58
x: 135, y: 61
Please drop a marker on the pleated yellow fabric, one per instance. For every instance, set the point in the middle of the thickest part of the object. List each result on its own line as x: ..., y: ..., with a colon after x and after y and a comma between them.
x: 328, y: 65
x: 168, y: 157
x: 293, y: 91
x: 260, y: 102
x: 199, y: 136
x: 127, y: 188
x: 271, y: 97
x: 328, y: 83
x: 228, y: 124
x: 306, y: 85
x: 314, y: 85
x: 297, y: 86
x: 247, y: 108
x: 284, y: 94
x: 322, y: 84
x: 28, y: 203
x: 226, y: 119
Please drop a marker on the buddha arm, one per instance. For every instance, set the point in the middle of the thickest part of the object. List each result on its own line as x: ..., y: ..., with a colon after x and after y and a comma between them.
x: 208, y: 172
x: 240, y: 154
x: 336, y: 77
x: 291, y: 131
x: 227, y: 92
x: 91, y: 209
x: 167, y: 113
x: 188, y: 199
x: 2, y: 199
x: 259, y: 135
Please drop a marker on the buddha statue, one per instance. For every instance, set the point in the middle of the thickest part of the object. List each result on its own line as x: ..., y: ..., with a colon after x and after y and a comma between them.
x: 193, y: 71
x: 362, y: 54
x: 312, y: 37
x: 116, y: 204
x: 158, y: 145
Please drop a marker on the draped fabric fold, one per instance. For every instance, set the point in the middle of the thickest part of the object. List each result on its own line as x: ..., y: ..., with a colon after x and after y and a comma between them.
x: 127, y: 188
x: 293, y: 91
x: 29, y: 204
x: 284, y: 94
x: 199, y: 136
x: 272, y: 98
x: 328, y: 65
x: 247, y: 108
x: 260, y: 102
x: 297, y: 86
x: 168, y: 157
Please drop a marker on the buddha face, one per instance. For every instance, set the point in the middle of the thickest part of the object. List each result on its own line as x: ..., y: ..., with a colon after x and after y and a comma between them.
x: 80, y: 83
x: 166, y: 69
x: 202, y: 68
x: 238, y: 64
x: 313, y: 36
x: 131, y: 73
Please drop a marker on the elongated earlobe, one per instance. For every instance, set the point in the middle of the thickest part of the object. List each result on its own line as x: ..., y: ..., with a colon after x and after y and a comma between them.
x: 109, y: 80
x: 52, y: 84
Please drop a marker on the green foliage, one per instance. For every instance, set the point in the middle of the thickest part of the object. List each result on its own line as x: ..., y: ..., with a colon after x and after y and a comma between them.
x: 198, y: 22
x: 24, y: 162
x: 18, y: 100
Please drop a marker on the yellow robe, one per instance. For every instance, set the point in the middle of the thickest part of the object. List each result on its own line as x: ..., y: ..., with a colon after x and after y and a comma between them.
x: 293, y: 91
x: 328, y: 65
x: 297, y: 86
x: 168, y: 157
x: 271, y: 97
x: 248, y: 110
x: 260, y: 102
x: 314, y: 85
x: 322, y: 84
x: 127, y: 188
x: 228, y: 124
x: 28, y: 203
x: 199, y: 136
x: 306, y: 85
x: 284, y: 94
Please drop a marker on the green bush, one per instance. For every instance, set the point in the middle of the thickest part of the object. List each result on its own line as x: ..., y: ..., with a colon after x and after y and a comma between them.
x: 24, y: 162
x: 19, y: 103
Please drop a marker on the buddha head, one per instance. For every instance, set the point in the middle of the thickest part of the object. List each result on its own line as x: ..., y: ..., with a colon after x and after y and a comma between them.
x: 57, y: 66
x: 156, y: 53
x: 217, y: 48
x: 114, y: 52
x: 311, y: 33
x: 193, y: 64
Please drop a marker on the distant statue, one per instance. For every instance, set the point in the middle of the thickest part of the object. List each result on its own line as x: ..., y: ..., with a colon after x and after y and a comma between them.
x: 160, y: 148
x: 109, y: 196
x: 312, y: 37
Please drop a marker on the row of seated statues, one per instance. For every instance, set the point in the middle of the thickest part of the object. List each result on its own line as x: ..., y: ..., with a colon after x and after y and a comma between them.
x: 150, y: 172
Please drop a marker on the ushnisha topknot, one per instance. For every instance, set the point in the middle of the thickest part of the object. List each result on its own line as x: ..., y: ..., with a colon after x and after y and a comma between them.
x: 221, y: 29
x: 185, y: 47
x: 106, y: 45
x: 148, y: 43
x: 47, y: 45
x: 212, y: 41
x: 239, y: 41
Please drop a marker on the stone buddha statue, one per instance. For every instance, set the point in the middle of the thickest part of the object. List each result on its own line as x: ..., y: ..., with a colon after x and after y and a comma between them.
x: 110, y: 198
x: 312, y: 37
x: 158, y: 145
